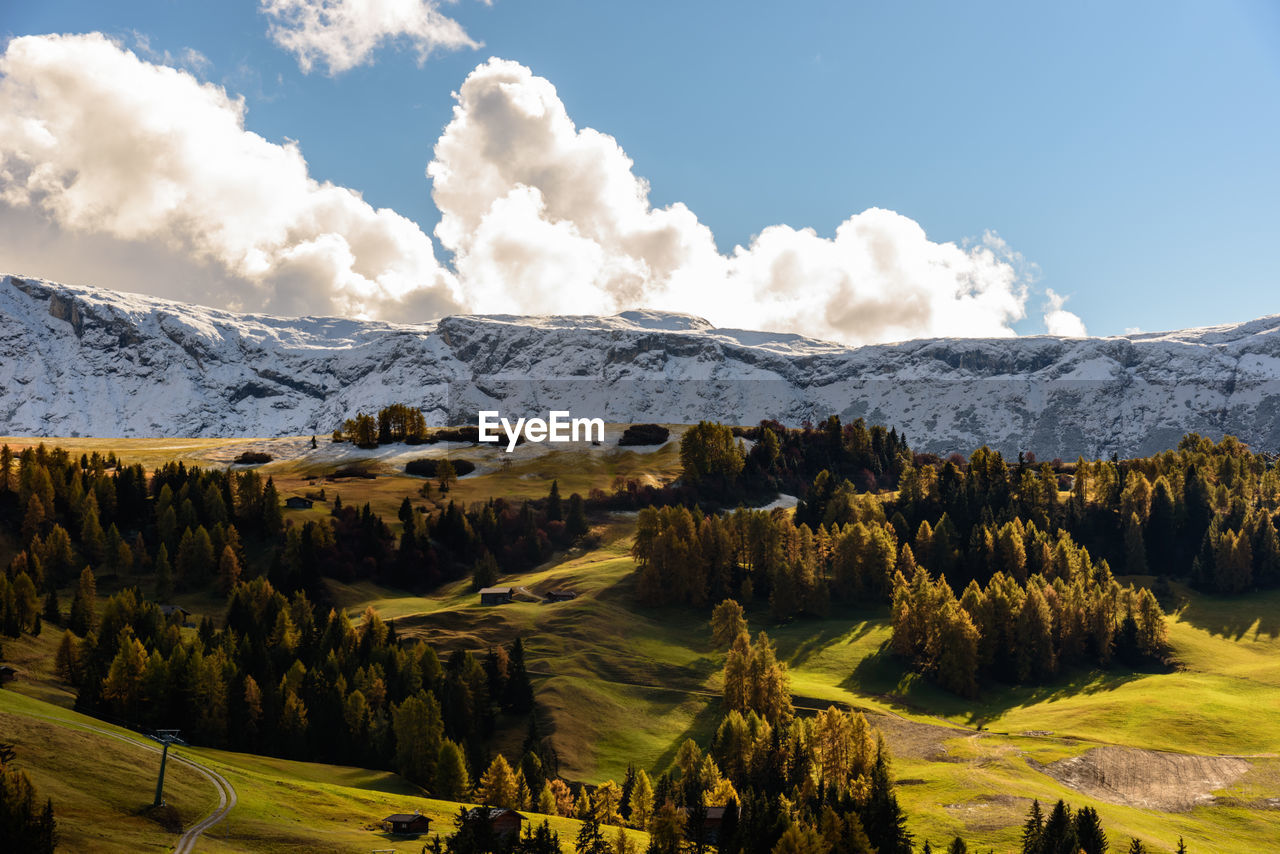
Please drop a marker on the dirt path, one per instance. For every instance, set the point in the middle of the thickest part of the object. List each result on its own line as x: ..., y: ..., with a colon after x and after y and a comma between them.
x: 226, y: 792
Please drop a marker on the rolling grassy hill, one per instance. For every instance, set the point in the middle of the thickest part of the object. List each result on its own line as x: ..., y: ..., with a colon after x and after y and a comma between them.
x: 624, y: 684
x: 620, y: 684
x: 102, y: 780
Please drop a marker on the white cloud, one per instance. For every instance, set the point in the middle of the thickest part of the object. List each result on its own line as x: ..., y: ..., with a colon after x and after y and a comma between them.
x: 342, y: 34
x: 103, y: 144
x: 122, y: 173
x: 1058, y: 321
x: 544, y: 216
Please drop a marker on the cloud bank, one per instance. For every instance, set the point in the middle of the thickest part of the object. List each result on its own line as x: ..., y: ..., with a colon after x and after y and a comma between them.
x: 102, y: 143
x: 544, y: 216
x: 135, y: 169
x: 342, y: 34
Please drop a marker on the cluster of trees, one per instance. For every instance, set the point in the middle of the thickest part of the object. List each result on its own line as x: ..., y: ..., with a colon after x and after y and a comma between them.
x: 282, y: 677
x: 189, y: 528
x: 718, y: 465
x: 1205, y: 511
x: 1020, y: 632
x: 1065, y: 830
x: 398, y: 422
x: 686, y: 556
x: 1027, y: 557
x: 25, y: 824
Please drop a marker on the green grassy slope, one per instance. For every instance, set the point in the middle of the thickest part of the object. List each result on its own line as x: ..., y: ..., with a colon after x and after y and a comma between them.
x: 627, y: 684
x: 102, y: 787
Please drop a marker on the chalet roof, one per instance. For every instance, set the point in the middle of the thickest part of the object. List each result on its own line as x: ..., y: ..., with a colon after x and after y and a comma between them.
x: 495, y: 590
x: 405, y: 816
x: 496, y: 812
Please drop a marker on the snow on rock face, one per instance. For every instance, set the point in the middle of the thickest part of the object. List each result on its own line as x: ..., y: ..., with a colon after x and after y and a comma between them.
x: 86, y: 361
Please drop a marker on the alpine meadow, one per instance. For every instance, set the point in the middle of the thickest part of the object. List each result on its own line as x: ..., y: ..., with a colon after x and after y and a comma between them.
x: 588, y: 428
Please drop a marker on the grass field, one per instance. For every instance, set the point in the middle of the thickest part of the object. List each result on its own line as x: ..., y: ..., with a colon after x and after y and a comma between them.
x: 102, y: 785
x: 622, y: 684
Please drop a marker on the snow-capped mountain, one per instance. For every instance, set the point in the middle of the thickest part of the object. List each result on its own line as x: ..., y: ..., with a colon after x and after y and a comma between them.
x: 90, y: 362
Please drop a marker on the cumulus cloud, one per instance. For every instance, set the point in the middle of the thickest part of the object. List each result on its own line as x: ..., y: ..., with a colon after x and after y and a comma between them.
x: 1059, y: 321
x: 103, y: 144
x: 544, y: 216
x: 128, y: 174
x: 342, y: 34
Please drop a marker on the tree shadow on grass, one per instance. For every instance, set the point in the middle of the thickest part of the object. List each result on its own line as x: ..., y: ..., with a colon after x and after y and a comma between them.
x: 1251, y: 616
x: 884, y: 676
x: 700, y: 729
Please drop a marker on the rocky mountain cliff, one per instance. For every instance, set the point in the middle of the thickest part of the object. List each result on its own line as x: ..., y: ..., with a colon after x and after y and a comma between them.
x: 90, y: 362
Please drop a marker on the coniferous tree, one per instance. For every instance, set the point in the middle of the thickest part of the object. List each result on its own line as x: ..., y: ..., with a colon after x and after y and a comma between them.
x: 1090, y: 837
x: 555, y: 509
x: 1033, y: 829
x: 727, y: 622
x: 52, y: 608
x: 484, y: 572
x: 164, y: 575
x: 452, y: 780
x: 575, y: 524
x: 84, y: 607
x: 498, y: 786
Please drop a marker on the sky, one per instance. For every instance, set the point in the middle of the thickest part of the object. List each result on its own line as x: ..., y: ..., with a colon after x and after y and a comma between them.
x: 852, y: 171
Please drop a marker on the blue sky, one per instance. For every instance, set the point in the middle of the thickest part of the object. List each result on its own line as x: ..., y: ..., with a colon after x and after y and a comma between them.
x: 1127, y: 151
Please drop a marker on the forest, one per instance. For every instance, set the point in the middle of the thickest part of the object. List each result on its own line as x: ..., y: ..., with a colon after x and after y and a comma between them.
x: 993, y: 572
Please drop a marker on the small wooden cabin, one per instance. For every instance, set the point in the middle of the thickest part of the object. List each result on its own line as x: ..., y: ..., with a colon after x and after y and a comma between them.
x: 297, y: 502
x: 407, y: 823
x: 495, y: 595
x: 503, y: 821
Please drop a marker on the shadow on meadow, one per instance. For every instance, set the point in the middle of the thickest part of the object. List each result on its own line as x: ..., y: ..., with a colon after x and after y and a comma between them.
x: 1250, y: 616
x: 884, y: 676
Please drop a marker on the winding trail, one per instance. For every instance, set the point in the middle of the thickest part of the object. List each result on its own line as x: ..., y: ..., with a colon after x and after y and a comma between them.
x: 226, y: 792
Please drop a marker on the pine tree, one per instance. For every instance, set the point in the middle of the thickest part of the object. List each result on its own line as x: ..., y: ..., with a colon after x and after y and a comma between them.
x: 1033, y: 829
x: 727, y: 622
x: 641, y: 802
x: 1136, y: 846
x: 84, y: 607
x: 1089, y: 834
x: 228, y: 570
x: 164, y: 575
x: 419, y: 732
x: 1059, y: 833
x: 958, y: 651
x: 957, y: 846
x: 1182, y: 846
x: 1135, y: 550
x: 1034, y: 633
x: 576, y: 523
x: 590, y: 840
x: 519, y: 690
x: 452, y: 779
x: 498, y: 786
x: 555, y: 510
x: 484, y: 572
